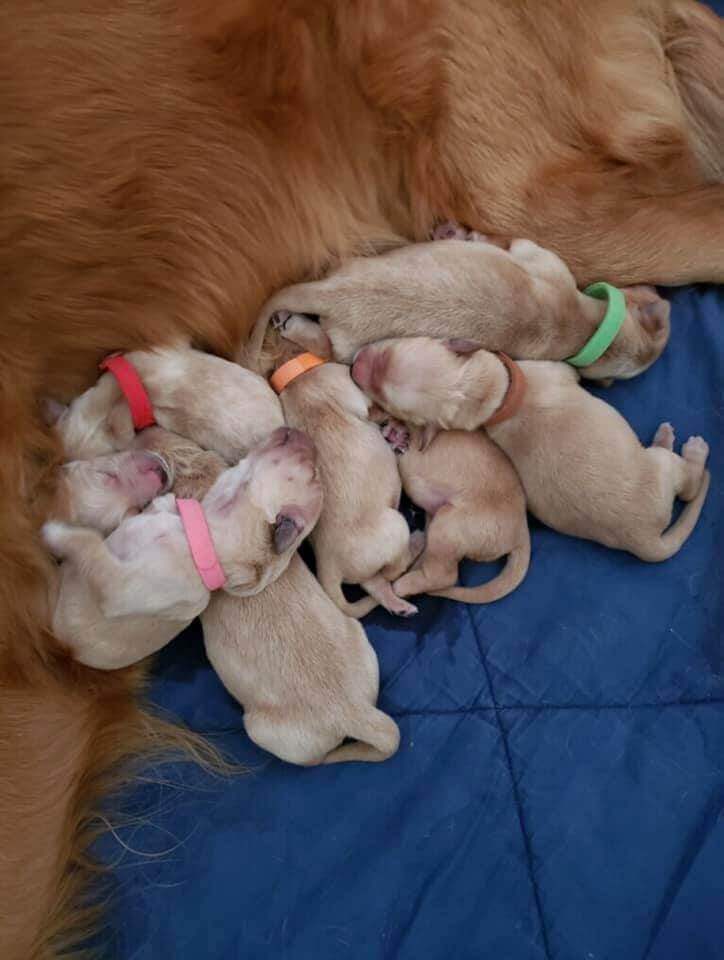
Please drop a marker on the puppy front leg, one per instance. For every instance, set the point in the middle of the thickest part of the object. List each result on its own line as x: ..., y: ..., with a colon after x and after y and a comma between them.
x: 306, y: 333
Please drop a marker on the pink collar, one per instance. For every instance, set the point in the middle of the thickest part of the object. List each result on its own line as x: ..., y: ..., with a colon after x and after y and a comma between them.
x: 132, y: 389
x: 200, y: 543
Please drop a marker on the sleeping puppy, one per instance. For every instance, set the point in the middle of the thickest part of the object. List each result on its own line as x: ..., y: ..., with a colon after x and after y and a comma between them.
x: 583, y: 469
x: 102, y: 492
x: 217, y: 404
x: 522, y: 300
x: 125, y: 597
x: 361, y: 537
x: 305, y: 673
x: 474, y: 506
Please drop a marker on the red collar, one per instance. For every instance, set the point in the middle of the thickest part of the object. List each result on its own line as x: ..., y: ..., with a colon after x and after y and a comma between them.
x: 132, y: 389
x: 513, y: 395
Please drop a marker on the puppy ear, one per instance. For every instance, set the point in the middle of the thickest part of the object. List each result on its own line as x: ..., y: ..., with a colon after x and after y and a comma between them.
x: 462, y: 347
x: 655, y: 317
x: 427, y: 435
x: 52, y: 410
x: 287, y: 528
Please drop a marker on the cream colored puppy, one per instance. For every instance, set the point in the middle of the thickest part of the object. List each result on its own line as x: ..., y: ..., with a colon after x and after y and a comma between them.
x: 361, y: 537
x: 125, y: 597
x: 522, y: 300
x: 217, y: 404
x: 475, y: 508
x: 583, y: 469
x: 305, y: 673
x: 102, y: 492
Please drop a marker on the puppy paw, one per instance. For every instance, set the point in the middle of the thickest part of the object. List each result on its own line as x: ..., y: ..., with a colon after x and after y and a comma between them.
x: 402, y: 608
x: 664, y: 437
x: 397, y: 435
x: 280, y: 318
x: 55, y: 536
x: 449, y: 230
x: 695, y: 450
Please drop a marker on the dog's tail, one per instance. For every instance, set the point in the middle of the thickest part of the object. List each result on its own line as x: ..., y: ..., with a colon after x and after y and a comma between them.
x: 678, y: 533
x: 332, y: 586
x: 377, y: 737
x: 508, y: 579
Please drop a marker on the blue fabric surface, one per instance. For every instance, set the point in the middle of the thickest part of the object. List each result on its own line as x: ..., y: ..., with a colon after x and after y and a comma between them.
x: 559, y: 789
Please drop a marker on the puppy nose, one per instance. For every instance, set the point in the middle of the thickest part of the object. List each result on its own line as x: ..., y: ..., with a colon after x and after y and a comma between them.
x: 148, y: 462
x: 280, y: 436
x: 362, y: 367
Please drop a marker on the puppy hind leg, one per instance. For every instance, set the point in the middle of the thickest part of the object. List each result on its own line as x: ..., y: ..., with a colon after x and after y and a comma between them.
x: 664, y: 437
x: 540, y: 263
x: 381, y: 590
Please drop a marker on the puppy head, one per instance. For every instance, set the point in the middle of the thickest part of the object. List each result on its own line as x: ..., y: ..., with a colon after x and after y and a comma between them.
x: 260, y: 510
x: 422, y: 380
x: 104, y: 491
x: 641, y: 340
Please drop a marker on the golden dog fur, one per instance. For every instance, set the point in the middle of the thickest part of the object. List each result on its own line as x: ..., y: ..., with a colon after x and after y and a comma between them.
x: 164, y: 168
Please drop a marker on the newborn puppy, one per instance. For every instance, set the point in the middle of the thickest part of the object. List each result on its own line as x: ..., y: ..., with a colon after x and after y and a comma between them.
x: 305, y: 674
x: 522, y: 300
x: 475, y: 508
x: 102, y: 492
x: 583, y: 469
x: 217, y: 404
x: 125, y: 597
x: 361, y: 536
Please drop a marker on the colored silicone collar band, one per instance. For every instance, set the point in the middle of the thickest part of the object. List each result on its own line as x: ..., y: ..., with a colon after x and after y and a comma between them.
x: 513, y: 395
x: 294, y: 368
x: 200, y: 543
x: 132, y: 389
x: 608, y: 328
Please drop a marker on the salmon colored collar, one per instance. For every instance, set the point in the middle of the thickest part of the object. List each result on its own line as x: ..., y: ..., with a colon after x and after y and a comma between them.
x: 200, y: 543
x: 132, y: 388
x: 294, y: 368
x: 513, y: 395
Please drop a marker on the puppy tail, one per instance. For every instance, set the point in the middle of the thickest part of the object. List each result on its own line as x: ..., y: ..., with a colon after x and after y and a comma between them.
x: 377, y: 737
x: 508, y: 579
x: 678, y: 533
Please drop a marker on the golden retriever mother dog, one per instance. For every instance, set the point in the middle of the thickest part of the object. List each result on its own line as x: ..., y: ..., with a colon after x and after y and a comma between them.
x: 166, y: 165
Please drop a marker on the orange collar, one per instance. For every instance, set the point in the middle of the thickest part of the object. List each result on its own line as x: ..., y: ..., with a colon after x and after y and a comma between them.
x: 513, y: 395
x: 294, y: 368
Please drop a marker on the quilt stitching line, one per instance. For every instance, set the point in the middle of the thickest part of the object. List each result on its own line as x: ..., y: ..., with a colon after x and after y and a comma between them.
x: 517, y: 800
x: 509, y: 708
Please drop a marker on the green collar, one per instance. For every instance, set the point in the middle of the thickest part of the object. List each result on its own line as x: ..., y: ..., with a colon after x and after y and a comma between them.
x: 608, y: 328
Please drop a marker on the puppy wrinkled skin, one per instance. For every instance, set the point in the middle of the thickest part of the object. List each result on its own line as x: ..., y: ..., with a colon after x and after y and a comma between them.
x: 304, y: 672
x: 125, y: 597
x: 361, y: 537
x: 522, y: 300
x: 216, y: 403
x: 583, y: 469
x: 102, y: 492
x: 474, y: 506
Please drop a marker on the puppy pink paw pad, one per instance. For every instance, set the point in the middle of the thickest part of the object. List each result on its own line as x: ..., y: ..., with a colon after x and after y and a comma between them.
x: 449, y: 230
x: 664, y: 437
x: 397, y: 435
x: 696, y: 450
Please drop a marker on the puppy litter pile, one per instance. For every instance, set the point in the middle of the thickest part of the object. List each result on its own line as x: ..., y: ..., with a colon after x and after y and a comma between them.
x: 191, y: 481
